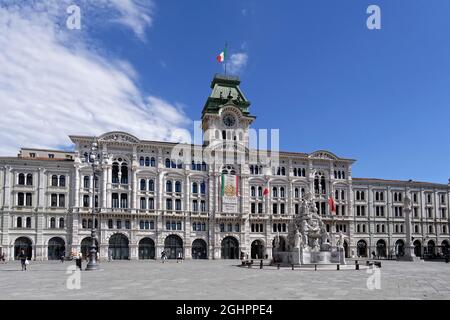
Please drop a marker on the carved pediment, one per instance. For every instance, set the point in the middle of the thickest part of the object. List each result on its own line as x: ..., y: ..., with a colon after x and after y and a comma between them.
x: 118, y: 137
x: 321, y: 154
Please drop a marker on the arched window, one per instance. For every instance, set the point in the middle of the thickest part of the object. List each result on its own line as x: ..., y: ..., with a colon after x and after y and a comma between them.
x: 20, y: 199
x: 86, y: 182
x: 296, y: 194
x: 141, y: 224
x: 274, y: 192
x: 416, y: 229
x: 62, y: 181
x: 178, y: 186
x: 259, y: 191
x: 115, y: 172
x: 61, y: 223
x: 222, y: 227
x: 202, y: 188
x: 19, y: 222
x: 146, y: 224
x: 283, y: 171
x: 252, y: 170
x: 194, y: 226
x: 167, y: 163
x: 54, y: 180
x: 174, y: 225
x: 284, y: 227
x: 151, y: 185
x: 124, y: 178
x: 28, y: 223
x: 153, y: 162
x: 151, y: 203
x: 168, y: 204
x: 110, y: 223
x: 169, y: 186
x: 143, y: 185
x: 52, y: 223
x: 29, y: 179
x: 194, y: 187
x: 147, y: 161
x: 141, y: 161
x: 282, y: 192
x: 230, y: 227
x: 143, y: 203
x: 178, y: 225
x: 358, y: 229
x: 21, y: 180
x: 364, y: 228
x: 253, y: 191
x: 430, y: 229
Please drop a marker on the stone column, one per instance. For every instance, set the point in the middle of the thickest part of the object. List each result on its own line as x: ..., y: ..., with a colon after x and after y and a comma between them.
x: 409, y: 247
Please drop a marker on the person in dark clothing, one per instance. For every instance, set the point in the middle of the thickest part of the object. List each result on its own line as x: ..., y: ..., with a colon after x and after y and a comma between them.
x: 23, y: 259
x: 62, y: 257
x: 373, y: 254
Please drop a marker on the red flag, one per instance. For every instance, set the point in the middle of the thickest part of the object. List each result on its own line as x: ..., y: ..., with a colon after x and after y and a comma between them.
x: 266, y: 192
x: 332, y: 205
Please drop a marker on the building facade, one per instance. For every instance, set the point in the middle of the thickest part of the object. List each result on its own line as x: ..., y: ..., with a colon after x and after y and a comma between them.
x: 214, y: 200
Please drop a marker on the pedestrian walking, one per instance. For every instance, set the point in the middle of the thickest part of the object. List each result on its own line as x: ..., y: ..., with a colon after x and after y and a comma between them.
x: 63, y: 257
x: 180, y: 257
x: 110, y: 255
x: 23, y: 260
x: 79, y: 260
x: 2, y: 258
x: 163, y: 256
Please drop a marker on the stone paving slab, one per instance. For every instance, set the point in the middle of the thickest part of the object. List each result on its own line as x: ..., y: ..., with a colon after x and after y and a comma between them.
x: 222, y: 279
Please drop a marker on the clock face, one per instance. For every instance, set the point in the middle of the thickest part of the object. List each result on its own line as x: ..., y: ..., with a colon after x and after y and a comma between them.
x: 229, y: 120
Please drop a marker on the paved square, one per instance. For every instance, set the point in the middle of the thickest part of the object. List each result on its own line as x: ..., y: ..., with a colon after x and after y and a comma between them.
x: 221, y: 279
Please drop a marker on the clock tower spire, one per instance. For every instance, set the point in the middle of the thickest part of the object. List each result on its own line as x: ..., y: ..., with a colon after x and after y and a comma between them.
x: 226, y: 115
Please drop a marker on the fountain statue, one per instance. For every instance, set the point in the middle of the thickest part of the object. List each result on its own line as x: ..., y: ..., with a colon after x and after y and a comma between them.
x: 308, y: 240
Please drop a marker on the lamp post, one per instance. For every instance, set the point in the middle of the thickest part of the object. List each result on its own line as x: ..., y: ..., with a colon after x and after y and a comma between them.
x: 94, y: 160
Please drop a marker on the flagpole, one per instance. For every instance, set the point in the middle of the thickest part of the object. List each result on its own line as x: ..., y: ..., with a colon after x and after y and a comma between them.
x: 225, y: 57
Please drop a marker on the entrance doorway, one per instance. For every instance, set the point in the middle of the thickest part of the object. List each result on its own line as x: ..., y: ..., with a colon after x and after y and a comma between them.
x: 146, y: 249
x: 23, y: 243
x: 199, y: 249
x: 230, y: 248
x: 56, y: 248
x: 257, y: 250
x: 173, y: 245
x: 118, y: 247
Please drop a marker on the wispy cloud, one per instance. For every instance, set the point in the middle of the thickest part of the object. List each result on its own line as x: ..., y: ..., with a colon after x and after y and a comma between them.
x: 237, y: 62
x: 51, y: 87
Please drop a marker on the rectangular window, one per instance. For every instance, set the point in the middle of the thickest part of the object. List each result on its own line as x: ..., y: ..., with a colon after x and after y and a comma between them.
x: 194, y: 205
x: 54, y: 200
x: 62, y: 201
x: 178, y: 204
x: 151, y: 203
x: 28, y: 200
x: 275, y: 208
x: 253, y: 207
x: 119, y: 224
x: 127, y: 224
x: 203, y: 206
x: 260, y: 208
x: 282, y: 208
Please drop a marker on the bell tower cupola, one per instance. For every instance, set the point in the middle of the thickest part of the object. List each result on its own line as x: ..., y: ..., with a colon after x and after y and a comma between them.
x: 226, y: 115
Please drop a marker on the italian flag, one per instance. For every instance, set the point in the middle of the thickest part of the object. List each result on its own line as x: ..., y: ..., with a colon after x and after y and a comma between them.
x: 221, y: 57
x: 332, y: 205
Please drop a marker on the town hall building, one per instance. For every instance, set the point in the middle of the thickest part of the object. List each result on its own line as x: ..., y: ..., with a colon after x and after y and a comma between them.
x: 219, y: 199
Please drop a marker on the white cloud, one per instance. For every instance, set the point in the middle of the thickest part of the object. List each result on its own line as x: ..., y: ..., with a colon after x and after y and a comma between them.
x: 237, y: 62
x: 49, y: 89
x: 136, y: 14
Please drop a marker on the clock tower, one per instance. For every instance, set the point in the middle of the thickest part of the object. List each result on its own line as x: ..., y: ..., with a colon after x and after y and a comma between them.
x: 225, y: 115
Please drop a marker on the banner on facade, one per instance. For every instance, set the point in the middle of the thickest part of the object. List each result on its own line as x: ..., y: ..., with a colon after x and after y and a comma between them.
x: 230, y: 193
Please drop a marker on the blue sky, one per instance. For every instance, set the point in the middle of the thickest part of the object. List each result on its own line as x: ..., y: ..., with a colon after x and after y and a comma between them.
x: 312, y: 69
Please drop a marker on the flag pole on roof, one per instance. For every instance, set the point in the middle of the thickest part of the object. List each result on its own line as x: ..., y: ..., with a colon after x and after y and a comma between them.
x: 223, y: 57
